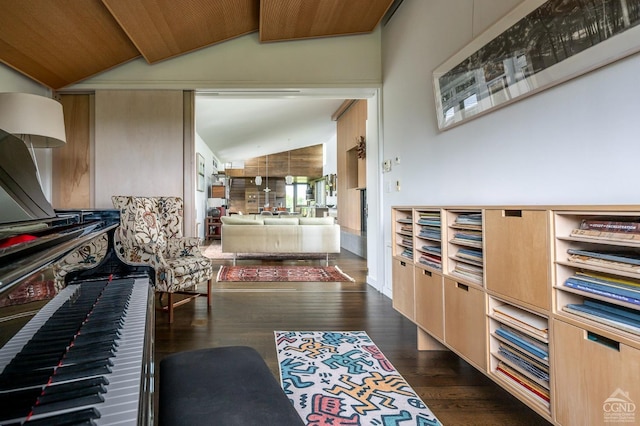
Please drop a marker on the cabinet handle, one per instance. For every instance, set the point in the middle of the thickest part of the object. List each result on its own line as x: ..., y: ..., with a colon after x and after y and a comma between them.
x: 403, y: 263
x: 512, y: 213
x: 604, y: 341
x: 462, y: 286
x: 427, y: 273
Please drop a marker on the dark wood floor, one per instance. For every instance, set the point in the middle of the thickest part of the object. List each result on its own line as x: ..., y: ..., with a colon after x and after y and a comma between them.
x: 248, y: 314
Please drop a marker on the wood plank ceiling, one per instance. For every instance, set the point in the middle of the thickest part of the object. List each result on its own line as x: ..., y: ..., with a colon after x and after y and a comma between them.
x: 61, y: 42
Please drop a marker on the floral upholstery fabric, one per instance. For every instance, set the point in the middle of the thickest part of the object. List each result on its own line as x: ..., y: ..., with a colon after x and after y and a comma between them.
x: 84, y: 257
x: 150, y: 233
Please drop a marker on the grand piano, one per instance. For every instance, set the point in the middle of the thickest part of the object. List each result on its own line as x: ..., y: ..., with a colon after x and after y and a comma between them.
x: 76, y: 324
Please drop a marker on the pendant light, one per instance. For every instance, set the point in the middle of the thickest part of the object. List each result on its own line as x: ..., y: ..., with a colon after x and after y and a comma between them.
x: 266, y: 188
x: 258, y: 178
x: 288, y: 179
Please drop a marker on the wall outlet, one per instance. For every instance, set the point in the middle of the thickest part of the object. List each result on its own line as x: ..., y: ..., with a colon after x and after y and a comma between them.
x: 397, y: 160
x: 386, y: 166
x: 397, y: 185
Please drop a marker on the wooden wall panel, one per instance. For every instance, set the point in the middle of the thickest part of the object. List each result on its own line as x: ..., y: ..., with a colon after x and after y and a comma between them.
x: 350, y: 126
x: 138, y: 144
x: 71, y: 163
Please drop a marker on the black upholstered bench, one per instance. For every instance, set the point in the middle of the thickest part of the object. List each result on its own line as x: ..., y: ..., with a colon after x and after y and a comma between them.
x: 225, y: 386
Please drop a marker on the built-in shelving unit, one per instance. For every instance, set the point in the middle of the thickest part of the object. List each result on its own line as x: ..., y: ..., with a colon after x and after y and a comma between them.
x: 403, y: 234
x: 428, y: 241
x: 519, y: 353
x: 464, y: 246
x: 544, y: 300
x: 597, y: 311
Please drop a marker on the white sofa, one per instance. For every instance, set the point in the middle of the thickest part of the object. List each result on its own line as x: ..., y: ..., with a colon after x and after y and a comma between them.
x: 273, y: 234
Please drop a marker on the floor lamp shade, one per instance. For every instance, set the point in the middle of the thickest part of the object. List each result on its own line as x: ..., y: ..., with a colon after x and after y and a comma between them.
x: 35, y: 119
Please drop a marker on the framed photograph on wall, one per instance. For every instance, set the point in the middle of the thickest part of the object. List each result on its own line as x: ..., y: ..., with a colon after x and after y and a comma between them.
x: 539, y: 44
x: 200, y: 172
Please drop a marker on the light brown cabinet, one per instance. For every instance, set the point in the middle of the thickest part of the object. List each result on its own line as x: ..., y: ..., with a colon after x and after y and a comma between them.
x: 403, y: 288
x: 596, y: 378
x: 429, y: 302
x: 518, y: 256
x: 465, y: 328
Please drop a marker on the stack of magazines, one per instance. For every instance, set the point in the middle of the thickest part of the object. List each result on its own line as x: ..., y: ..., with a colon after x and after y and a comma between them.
x: 523, y: 359
x: 431, y: 256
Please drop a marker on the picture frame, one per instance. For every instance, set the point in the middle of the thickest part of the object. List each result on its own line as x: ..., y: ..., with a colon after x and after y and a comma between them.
x: 539, y: 44
x: 199, y: 172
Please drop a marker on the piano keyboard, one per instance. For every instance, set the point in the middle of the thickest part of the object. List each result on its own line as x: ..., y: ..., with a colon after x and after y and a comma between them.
x: 79, y: 358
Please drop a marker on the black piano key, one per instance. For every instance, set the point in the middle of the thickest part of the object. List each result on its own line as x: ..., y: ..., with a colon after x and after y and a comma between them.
x: 79, y: 371
x: 17, y: 403
x: 80, y: 391
x: 69, y: 403
x: 95, y: 339
x: 80, y: 351
x: 63, y: 387
x: 84, y: 416
x: 86, y: 356
x: 19, y: 380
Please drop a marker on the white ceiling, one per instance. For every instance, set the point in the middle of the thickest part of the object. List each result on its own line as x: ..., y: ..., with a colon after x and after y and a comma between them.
x: 242, y: 124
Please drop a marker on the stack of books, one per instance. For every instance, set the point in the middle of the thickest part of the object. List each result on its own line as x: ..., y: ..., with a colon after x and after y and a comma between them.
x: 618, y: 317
x: 431, y: 256
x: 522, y: 358
x: 616, y: 229
x: 619, y: 260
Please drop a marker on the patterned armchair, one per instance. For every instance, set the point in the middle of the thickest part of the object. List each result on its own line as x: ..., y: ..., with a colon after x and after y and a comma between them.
x: 150, y: 233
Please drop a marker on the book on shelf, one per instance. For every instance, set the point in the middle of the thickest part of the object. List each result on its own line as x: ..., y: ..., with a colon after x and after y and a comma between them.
x: 617, y: 225
x: 539, y: 375
x: 614, y: 292
x: 528, y: 344
x: 537, y: 391
x: 628, y: 261
x: 470, y: 254
x: 432, y: 249
x: 468, y: 238
x: 430, y: 232
x: 466, y: 270
x: 429, y: 218
x: 608, y: 313
x: 538, y: 362
x: 406, y: 228
x: 532, y: 323
x: 606, y: 235
x: 431, y: 263
x: 608, y: 279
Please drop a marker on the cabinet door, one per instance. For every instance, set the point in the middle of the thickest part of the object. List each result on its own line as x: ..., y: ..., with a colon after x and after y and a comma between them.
x: 429, y: 302
x: 403, y: 288
x: 596, y: 379
x: 517, y: 255
x: 465, y: 327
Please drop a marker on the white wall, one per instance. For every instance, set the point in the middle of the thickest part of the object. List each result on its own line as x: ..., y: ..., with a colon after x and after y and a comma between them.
x: 576, y: 143
x: 244, y: 62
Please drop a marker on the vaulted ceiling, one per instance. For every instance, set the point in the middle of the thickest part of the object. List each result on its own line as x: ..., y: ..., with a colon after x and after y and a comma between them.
x: 61, y: 42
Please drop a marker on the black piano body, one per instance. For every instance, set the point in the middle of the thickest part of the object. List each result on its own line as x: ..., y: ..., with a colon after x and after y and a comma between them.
x: 76, y: 324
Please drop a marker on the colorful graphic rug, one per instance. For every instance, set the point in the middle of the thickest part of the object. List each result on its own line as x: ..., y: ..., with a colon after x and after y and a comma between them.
x: 270, y: 273
x: 342, y: 378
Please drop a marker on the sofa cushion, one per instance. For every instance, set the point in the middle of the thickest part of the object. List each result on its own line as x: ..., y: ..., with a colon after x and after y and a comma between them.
x: 281, y: 221
x: 317, y: 220
x: 239, y: 220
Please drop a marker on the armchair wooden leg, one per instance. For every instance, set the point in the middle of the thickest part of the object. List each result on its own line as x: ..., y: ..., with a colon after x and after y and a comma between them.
x: 170, y: 308
x: 209, y: 297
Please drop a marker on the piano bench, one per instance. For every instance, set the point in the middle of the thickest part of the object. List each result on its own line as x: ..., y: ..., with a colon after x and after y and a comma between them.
x: 225, y: 386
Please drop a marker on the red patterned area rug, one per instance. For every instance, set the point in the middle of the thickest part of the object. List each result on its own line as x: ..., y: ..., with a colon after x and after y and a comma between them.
x: 270, y: 273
